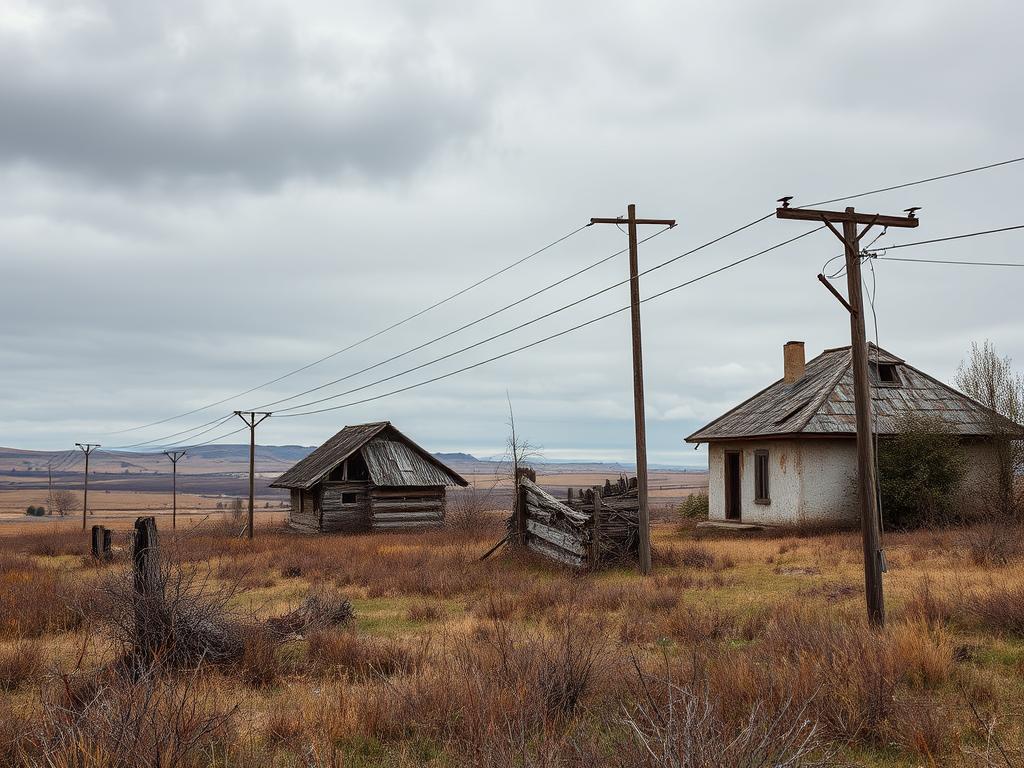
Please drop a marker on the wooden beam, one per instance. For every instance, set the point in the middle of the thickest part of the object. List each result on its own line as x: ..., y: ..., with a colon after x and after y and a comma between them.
x: 811, y: 214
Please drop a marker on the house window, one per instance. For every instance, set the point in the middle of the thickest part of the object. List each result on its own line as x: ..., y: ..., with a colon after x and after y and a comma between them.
x: 885, y: 374
x: 761, y: 490
x: 348, y: 498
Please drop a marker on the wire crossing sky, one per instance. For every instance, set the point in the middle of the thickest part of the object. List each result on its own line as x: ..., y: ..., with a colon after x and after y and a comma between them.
x: 221, y: 198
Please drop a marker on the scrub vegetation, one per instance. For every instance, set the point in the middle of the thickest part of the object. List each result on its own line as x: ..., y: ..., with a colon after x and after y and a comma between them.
x: 405, y: 649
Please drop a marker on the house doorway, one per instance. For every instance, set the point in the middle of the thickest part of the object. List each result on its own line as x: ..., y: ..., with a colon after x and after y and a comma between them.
x: 732, y: 485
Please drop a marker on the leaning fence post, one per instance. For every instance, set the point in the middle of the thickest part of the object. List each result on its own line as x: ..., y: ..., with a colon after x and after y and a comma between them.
x: 595, y: 532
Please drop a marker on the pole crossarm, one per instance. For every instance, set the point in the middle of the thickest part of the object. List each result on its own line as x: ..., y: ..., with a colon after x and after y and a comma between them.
x: 624, y: 220
x: 812, y: 214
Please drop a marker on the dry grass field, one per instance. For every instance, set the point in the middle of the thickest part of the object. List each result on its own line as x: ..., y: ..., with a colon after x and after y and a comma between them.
x: 736, y: 652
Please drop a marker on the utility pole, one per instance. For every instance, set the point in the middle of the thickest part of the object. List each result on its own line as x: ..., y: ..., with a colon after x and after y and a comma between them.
x: 86, y: 448
x: 49, y: 487
x: 638, y: 376
x: 174, y: 456
x: 867, y: 488
x: 249, y: 417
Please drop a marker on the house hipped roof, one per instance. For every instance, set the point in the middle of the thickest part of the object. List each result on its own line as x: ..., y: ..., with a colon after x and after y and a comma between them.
x: 821, y: 403
x: 392, y: 459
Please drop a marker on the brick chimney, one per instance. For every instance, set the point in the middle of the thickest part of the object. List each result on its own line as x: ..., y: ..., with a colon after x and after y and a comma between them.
x: 792, y: 361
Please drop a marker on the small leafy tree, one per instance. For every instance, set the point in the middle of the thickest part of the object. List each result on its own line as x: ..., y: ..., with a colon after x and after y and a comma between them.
x: 920, y: 470
x: 694, y: 507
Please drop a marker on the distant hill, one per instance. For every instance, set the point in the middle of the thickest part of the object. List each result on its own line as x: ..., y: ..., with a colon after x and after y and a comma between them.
x: 461, y: 458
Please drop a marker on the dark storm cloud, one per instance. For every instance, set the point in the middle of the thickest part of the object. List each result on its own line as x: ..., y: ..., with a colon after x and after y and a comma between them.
x: 126, y: 94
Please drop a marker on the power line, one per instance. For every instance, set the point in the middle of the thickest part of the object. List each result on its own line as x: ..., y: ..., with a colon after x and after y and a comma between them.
x: 914, y: 183
x: 522, y: 325
x: 463, y: 327
x: 552, y: 336
x: 355, y: 344
x: 950, y: 237
x: 948, y: 261
x: 211, y: 425
x: 505, y: 269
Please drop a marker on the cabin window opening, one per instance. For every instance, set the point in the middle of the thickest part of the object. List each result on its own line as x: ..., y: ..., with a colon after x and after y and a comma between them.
x: 348, y: 498
x: 885, y: 374
x: 762, y: 493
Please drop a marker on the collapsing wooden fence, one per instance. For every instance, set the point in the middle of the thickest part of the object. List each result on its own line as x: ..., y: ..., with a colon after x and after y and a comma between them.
x: 593, y: 528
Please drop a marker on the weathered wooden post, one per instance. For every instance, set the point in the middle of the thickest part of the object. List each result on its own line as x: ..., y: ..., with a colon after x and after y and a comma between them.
x: 146, y: 558
x: 520, y: 507
x: 595, y: 533
x: 100, y: 542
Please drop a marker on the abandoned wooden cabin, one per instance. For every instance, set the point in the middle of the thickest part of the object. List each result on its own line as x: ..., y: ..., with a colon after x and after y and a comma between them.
x: 368, y: 477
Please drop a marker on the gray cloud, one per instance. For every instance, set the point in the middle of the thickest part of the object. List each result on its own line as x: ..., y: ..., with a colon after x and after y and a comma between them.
x: 196, y: 198
x: 126, y: 95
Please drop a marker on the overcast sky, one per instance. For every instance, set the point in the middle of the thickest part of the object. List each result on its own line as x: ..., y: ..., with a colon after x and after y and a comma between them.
x: 196, y: 198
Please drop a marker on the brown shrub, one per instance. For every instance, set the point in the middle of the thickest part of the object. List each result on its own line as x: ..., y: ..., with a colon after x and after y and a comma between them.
x: 35, y: 600
x: 999, y: 608
x: 696, y: 556
x: 147, y: 720
x: 356, y: 656
x: 925, y: 656
x: 20, y: 663
x: 694, y: 624
x: 422, y: 611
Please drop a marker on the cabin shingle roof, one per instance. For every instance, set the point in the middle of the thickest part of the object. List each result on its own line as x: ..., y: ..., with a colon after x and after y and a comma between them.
x: 821, y: 403
x: 391, y: 458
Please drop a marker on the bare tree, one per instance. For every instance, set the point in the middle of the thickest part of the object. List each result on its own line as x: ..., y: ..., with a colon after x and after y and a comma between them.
x: 63, y: 503
x: 991, y: 380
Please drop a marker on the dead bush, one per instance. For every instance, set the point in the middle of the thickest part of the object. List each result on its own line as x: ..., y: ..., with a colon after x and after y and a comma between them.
x: 697, y: 556
x: 1000, y: 607
x: 181, y: 619
x: 995, y: 541
x: 35, y: 600
x: 146, y: 720
x: 681, y: 726
x: 424, y: 612
x: 321, y: 608
x: 350, y: 654
x: 20, y: 663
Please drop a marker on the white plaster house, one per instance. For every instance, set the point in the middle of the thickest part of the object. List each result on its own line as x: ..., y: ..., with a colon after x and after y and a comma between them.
x: 788, y: 455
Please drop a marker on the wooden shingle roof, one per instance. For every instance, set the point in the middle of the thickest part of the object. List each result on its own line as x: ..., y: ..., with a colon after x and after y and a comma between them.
x: 391, y: 458
x: 821, y: 403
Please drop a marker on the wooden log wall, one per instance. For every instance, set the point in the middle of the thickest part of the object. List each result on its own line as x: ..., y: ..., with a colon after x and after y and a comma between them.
x: 344, y: 506
x: 404, y: 508
x: 572, y: 534
x: 303, y: 516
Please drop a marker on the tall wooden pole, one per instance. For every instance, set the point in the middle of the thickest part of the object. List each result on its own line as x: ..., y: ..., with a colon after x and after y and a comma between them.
x: 86, y: 448
x: 867, y: 488
x: 174, y: 456
x: 249, y: 417
x: 871, y: 533
x: 49, y: 488
x: 639, y: 421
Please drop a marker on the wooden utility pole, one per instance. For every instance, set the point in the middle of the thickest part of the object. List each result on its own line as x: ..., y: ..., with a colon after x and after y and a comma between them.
x: 867, y: 487
x: 174, y: 456
x: 249, y: 417
x: 638, y: 376
x: 49, y: 487
x: 86, y: 448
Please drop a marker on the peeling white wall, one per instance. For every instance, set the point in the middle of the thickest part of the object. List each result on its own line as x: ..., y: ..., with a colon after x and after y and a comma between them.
x: 810, y: 481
